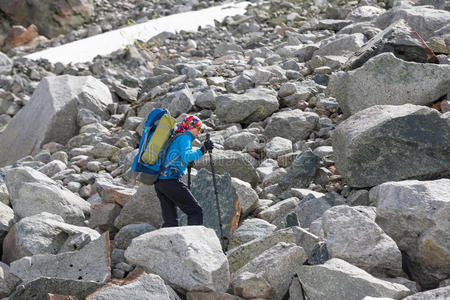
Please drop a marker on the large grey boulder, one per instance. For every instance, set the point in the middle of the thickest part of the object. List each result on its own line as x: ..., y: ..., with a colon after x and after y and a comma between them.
x: 425, y: 20
x: 294, y: 125
x: 51, y: 115
x: 278, y: 266
x: 440, y: 293
x: 312, y: 208
x: 44, y: 233
x: 42, y: 286
x: 279, y: 209
x: 402, y: 82
x: 179, y: 102
x: 188, y: 258
x: 145, y: 286
x: 237, y: 164
x: 399, y: 38
x: 202, y: 189
x: 371, y: 248
x: 345, y: 281
x: 144, y: 207
x: 415, y: 214
x: 391, y: 143
x: 32, y: 192
x: 51, y: 17
x: 253, y: 106
x: 92, y: 263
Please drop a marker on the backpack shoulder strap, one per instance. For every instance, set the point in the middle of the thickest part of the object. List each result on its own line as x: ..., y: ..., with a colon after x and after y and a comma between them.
x: 169, y: 142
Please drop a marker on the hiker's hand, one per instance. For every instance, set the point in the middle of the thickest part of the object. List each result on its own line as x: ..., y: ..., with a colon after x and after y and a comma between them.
x: 207, y: 146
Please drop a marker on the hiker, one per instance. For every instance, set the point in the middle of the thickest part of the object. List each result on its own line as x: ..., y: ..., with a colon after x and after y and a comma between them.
x: 171, y: 191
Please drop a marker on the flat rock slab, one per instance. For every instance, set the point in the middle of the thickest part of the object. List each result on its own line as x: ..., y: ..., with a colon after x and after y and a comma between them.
x: 92, y: 263
x: 294, y: 125
x: 31, y: 192
x: 391, y: 143
x: 51, y: 115
x: 189, y: 258
x: 402, y: 82
x: 40, y: 287
x: 144, y: 287
x: 345, y: 281
x: 422, y: 230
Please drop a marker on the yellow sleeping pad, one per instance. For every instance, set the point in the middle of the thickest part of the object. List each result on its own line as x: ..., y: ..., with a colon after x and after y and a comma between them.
x: 158, y: 140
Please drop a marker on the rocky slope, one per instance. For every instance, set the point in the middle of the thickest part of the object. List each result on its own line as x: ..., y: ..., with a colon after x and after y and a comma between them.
x: 332, y: 133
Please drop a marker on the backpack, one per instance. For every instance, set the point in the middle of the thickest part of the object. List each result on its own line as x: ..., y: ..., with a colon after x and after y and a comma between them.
x: 156, y: 139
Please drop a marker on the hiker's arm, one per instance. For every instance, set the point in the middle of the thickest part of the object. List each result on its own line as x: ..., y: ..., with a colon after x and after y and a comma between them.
x: 189, y: 155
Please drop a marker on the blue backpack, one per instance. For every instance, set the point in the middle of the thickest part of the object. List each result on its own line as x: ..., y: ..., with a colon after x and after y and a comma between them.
x: 148, y: 173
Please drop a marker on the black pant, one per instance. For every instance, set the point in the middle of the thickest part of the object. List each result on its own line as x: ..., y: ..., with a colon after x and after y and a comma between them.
x: 173, y: 193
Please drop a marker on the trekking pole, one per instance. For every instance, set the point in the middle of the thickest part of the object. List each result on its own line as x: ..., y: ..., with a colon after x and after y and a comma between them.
x: 222, y: 238
x: 189, y: 174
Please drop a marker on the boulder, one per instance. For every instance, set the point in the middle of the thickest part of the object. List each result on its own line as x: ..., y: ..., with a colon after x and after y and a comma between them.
x: 113, y: 193
x: 92, y: 263
x: 294, y: 125
x: 279, y: 209
x: 7, y: 282
x: 42, y: 286
x: 51, y: 114
x: 6, y: 219
x: 364, y: 13
x: 414, y: 213
x: 343, y: 44
x: 345, y: 281
x: 5, y: 64
x: 312, y: 208
x: 371, y: 248
x: 278, y: 146
x: 209, y: 296
x: 145, y: 286
x: 249, y: 285
x: 302, y: 171
x: 398, y: 38
x: 202, y: 188
x: 123, y: 238
x: 277, y: 266
x: 249, y: 230
x: 237, y: 164
x: 144, y: 207
x: 44, y: 233
x: 253, y: 106
x: 440, y: 293
x: 103, y: 216
x: 52, y: 18
x: 32, y: 192
x: 425, y: 20
x: 246, y: 194
x: 179, y: 102
x: 239, y: 140
x: 241, y: 255
x: 403, y: 82
x: 195, y: 250
x: 391, y: 143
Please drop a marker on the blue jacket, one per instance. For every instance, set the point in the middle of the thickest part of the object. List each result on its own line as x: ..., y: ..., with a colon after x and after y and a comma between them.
x: 179, y: 155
